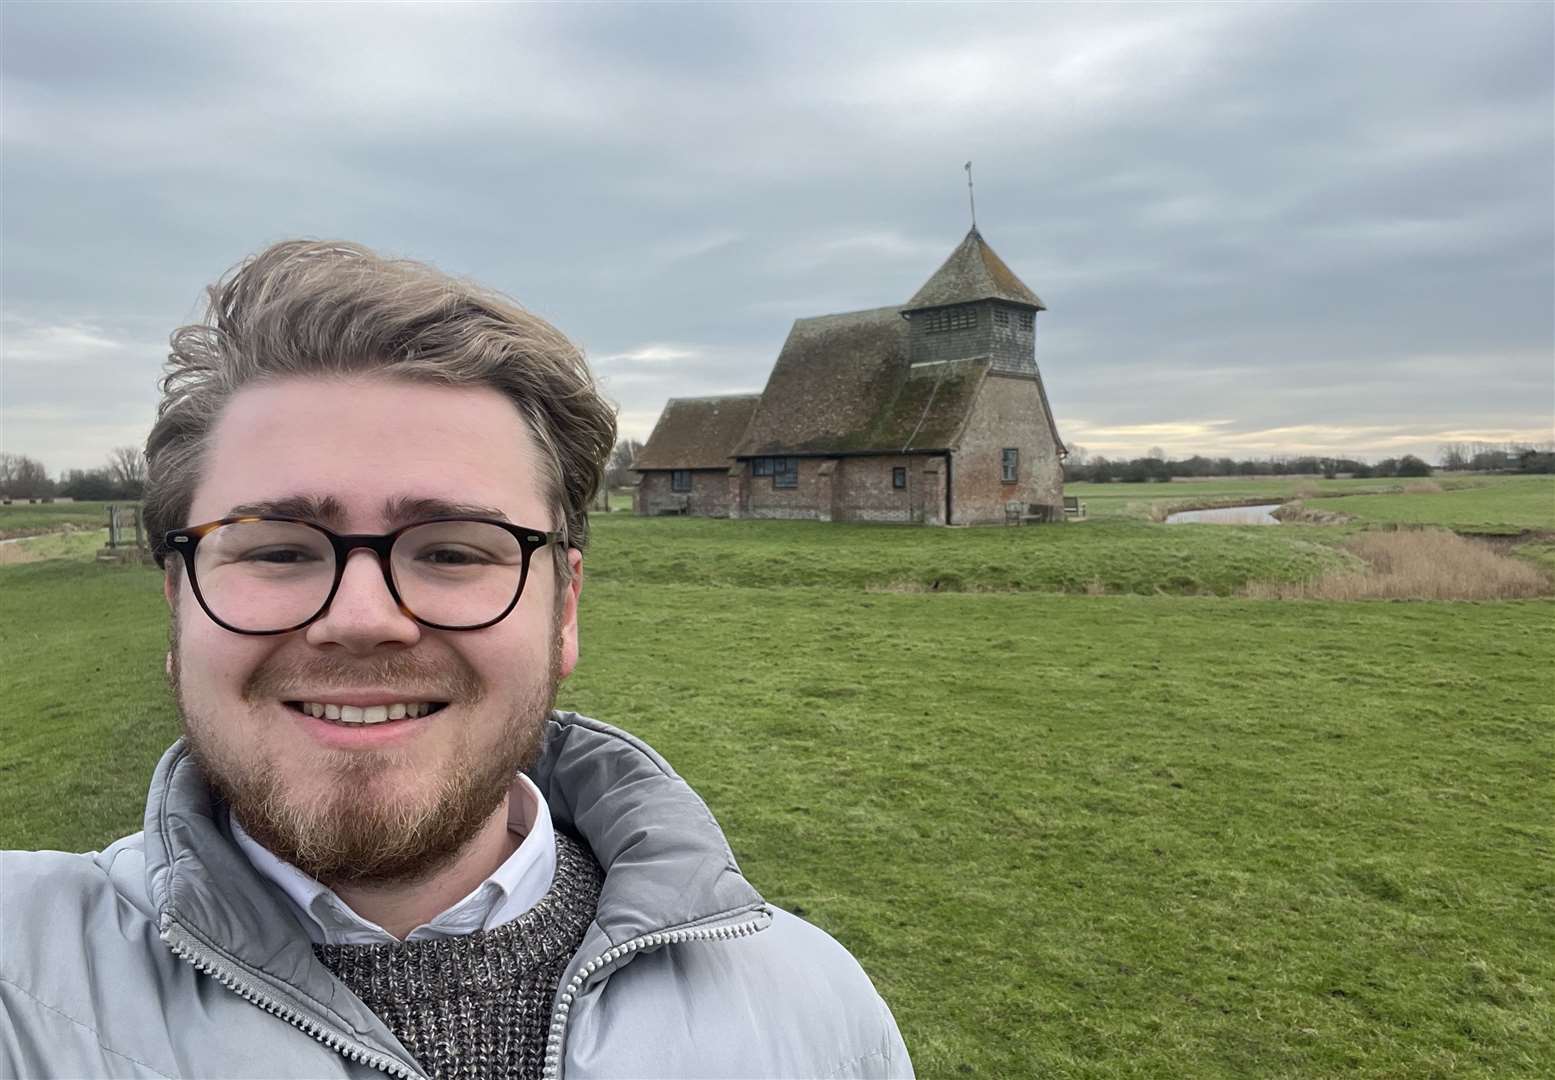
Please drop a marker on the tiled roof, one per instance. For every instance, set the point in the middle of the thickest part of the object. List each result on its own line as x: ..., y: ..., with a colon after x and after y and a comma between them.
x: 842, y: 384
x: 974, y: 271
x: 697, y: 433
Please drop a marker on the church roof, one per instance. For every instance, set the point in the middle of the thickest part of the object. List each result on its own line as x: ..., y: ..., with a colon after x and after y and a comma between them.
x: 974, y: 271
x: 843, y: 385
x: 697, y: 433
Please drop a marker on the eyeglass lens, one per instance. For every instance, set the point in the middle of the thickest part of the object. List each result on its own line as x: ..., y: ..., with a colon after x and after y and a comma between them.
x: 272, y: 575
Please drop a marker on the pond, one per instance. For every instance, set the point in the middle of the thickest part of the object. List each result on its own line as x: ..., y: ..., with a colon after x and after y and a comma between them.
x: 1227, y: 515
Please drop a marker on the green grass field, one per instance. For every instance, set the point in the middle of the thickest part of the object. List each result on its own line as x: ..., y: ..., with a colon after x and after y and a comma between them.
x: 27, y: 519
x: 1107, y: 836
x: 1507, y: 505
x: 1137, y: 500
x: 1483, y: 503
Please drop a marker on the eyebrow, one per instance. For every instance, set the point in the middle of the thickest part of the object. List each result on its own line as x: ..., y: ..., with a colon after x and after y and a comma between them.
x: 405, y: 509
x: 328, y: 510
x: 308, y: 507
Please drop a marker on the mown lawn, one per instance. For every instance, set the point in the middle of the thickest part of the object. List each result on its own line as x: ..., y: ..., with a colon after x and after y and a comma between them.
x: 1498, y: 505
x: 1070, y: 836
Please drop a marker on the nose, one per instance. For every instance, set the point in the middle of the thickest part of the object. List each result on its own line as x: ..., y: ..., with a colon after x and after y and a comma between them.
x: 364, y: 615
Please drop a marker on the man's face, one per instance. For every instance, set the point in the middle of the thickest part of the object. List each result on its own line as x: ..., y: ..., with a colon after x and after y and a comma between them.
x: 395, y: 800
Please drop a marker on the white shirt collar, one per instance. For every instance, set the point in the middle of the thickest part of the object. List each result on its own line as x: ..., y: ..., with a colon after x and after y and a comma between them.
x: 515, y: 887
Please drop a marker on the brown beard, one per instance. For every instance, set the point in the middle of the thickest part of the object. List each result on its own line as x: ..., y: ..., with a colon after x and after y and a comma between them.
x: 344, y: 838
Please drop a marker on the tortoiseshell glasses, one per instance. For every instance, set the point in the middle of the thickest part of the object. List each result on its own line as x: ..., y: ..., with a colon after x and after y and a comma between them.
x: 273, y: 575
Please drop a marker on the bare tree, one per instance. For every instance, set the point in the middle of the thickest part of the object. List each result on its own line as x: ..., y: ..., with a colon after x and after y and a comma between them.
x: 1156, y: 454
x: 618, y: 471
x: 22, y: 477
x: 127, y: 466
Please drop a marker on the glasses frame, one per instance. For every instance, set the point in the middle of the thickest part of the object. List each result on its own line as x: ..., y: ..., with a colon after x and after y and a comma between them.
x: 187, y: 540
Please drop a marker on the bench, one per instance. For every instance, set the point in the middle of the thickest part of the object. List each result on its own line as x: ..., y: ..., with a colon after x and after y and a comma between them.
x: 1073, y: 508
x: 677, y: 506
x: 1019, y: 513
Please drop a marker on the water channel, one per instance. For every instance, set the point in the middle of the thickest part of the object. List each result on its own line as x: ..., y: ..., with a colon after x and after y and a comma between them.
x: 1227, y: 515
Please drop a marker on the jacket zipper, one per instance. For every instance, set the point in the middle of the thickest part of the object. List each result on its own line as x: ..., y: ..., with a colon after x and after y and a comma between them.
x: 206, y: 963
x: 553, y: 1045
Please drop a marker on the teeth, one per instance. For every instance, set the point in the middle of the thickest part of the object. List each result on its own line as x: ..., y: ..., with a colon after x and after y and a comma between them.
x: 366, y: 714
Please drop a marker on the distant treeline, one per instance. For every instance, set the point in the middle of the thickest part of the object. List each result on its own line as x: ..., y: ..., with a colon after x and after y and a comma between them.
x: 1157, y: 468
x: 1498, y: 457
x: 122, y: 477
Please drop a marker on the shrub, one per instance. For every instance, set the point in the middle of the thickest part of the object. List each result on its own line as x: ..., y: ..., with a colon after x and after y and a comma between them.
x: 1409, y: 465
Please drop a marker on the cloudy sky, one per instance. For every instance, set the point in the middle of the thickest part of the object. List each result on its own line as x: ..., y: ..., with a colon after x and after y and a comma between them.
x: 1257, y: 227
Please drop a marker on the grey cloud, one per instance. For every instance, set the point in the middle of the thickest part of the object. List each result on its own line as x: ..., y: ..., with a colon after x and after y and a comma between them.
x: 1276, y: 214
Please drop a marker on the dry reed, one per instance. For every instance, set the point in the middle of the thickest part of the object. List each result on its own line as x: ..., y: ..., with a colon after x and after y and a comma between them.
x: 1423, y: 487
x: 1416, y: 564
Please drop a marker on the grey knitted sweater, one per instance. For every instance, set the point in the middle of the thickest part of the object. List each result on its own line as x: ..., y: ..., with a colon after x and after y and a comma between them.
x: 479, y: 1005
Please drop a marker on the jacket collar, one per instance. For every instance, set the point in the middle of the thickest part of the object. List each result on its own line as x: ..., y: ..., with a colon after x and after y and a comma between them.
x: 667, y: 864
x: 666, y: 861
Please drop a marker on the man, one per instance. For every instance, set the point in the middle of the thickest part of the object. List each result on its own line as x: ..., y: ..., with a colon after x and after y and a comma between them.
x: 376, y: 847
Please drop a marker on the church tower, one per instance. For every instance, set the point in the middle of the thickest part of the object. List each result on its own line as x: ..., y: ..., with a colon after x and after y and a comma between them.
x: 974, y: 306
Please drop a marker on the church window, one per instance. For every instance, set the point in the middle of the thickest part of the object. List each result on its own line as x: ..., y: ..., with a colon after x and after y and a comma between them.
x: 1001, y: 317
x: 680, y: 479
x: 1010, y: 465
x: 899, y: 477
x: 1027, y: 320
x: 785, y: 472
x: 946, y: 319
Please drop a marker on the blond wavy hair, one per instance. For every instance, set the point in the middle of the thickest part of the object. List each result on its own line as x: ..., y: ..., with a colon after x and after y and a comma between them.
x: 328, y: 308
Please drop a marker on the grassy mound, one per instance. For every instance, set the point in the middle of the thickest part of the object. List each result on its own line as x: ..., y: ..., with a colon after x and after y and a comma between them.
x: 1096, y: 557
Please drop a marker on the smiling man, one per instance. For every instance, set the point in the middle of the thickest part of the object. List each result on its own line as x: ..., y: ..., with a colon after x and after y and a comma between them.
x: 377, y: 848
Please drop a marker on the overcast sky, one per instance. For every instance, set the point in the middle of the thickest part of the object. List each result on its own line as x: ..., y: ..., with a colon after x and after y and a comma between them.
x: 1257, y: 227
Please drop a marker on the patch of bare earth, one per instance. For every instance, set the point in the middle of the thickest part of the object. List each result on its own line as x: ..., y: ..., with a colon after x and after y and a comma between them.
x: 13, y: 554
x: 1416, y: 564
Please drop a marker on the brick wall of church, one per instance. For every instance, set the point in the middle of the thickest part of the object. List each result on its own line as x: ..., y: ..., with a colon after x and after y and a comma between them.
x: 708, y: 497
x: 1008, y: 413
x: 866, y: 489
x: 800, y: 501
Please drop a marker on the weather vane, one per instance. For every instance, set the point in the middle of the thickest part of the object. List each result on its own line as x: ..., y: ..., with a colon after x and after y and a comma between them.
x: 971, y: 198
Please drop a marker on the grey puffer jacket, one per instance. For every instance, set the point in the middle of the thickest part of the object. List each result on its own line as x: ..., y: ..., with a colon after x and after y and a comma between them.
x: 167, y: 954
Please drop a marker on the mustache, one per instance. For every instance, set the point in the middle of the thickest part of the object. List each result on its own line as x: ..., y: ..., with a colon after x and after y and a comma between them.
x: 441, y: 680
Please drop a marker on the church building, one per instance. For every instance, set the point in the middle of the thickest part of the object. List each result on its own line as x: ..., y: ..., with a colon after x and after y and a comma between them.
x: 932, y: 412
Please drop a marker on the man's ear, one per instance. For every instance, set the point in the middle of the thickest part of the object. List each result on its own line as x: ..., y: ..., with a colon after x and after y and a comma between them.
x: 170, y: 584
x: 567, y: 623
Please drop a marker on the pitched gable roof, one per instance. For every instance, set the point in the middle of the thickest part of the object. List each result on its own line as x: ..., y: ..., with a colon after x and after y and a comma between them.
x: 697, y: 433
x: 974, y: 271
x: 842, y: 384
